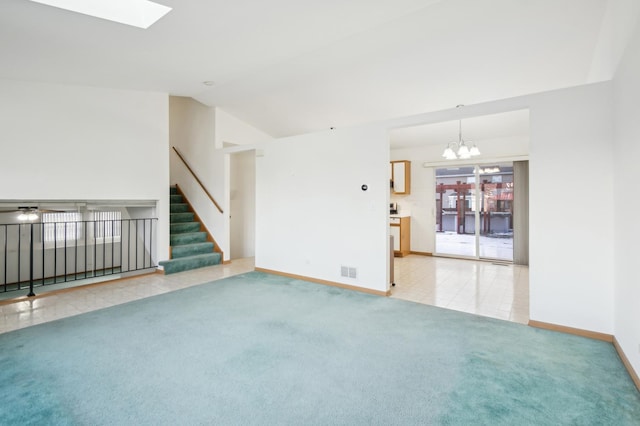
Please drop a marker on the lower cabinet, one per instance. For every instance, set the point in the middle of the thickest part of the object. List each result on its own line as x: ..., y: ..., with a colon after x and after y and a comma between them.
x: 401, y: 231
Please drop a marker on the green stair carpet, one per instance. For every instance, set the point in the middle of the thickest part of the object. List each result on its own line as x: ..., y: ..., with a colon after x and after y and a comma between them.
x: 189, y: 246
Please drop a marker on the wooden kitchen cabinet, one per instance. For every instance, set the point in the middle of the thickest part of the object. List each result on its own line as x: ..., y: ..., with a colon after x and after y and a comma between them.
x: 401, y: 231
x: 401, y: 176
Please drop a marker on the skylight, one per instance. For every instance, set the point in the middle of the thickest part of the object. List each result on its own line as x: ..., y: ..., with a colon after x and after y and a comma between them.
x: 137, y: 13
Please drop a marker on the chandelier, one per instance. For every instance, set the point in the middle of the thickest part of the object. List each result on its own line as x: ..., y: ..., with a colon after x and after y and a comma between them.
x: 460, y: 150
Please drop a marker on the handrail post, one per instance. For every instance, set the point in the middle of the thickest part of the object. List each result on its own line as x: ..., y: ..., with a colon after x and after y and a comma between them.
x: 31, y: 293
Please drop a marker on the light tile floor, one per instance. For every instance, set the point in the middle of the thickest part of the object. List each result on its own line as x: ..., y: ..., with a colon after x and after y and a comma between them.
x: 478, y: 287
x: 471, y: 286
x: 60, y: 304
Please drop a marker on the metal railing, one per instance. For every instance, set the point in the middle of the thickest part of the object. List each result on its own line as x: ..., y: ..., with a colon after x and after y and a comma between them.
x: 40, y: 254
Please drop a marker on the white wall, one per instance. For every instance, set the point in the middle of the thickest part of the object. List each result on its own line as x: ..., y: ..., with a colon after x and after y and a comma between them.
x: 192, y: 132
x: 311, y: 214
x: 82, y: 143
x: 571, y: 208
x: 311, y: 219
x: 421, y: 201
x: 627, y: 203
x: 617, y: 28
x: 230, y: 129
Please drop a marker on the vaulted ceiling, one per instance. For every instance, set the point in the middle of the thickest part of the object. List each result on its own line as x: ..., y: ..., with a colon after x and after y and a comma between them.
x: 295, y: 66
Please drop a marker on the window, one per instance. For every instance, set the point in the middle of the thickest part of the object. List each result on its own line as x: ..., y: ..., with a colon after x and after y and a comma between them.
x: 60, y: 226
x: 107, y: 224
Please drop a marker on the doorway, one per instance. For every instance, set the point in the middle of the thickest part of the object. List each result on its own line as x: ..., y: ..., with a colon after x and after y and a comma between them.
x: 242, y: 202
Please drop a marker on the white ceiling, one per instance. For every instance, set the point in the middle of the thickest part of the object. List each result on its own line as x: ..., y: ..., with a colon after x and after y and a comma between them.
x: 295, y: 66
x: 508, y: 125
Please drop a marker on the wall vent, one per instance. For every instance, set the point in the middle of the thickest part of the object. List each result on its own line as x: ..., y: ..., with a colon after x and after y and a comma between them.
x: 348, y: 272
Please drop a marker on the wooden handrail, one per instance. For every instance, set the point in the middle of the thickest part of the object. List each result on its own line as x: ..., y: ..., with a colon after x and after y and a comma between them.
x: 197, y: 180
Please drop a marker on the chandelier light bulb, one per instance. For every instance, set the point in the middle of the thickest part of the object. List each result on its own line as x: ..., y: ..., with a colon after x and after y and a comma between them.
x: 449, y: 154
x: 463, y: 151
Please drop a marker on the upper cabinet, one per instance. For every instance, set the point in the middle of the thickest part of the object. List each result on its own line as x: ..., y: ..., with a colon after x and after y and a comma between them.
x: 401, y: 177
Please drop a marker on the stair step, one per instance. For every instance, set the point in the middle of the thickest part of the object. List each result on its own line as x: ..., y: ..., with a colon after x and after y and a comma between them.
x: 189, y: 246
x: 191, y: 250
x: 187, y: 238
x: 181, y: 217
x: 179, y: 207
x: 172, y: 266
x: 182, y: 227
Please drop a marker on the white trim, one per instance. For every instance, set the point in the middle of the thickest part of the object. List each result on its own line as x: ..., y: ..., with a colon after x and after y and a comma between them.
x: 447, y: 163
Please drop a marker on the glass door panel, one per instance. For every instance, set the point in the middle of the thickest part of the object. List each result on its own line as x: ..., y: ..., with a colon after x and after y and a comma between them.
x: 496, y: 213
x: 455, y: 217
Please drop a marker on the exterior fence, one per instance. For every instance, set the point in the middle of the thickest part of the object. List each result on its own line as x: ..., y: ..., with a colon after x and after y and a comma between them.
x: 40, y: 254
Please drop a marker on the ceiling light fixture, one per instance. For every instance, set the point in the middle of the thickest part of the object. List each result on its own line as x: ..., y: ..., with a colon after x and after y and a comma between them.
x: 29, y: 215
x: 460, y: 149
x: 137, y: 13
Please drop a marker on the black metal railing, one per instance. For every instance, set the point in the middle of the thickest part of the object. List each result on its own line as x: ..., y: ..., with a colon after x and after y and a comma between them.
x: 40, y: 254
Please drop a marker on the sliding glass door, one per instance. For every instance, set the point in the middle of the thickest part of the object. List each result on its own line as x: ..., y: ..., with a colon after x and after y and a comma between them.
x: 474, y: 211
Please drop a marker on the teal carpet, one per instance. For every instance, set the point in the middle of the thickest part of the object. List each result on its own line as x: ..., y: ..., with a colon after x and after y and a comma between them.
x: 257, y: 349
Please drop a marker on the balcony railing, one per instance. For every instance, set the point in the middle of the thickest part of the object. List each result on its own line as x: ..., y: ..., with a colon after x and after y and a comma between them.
x: 41, y: 254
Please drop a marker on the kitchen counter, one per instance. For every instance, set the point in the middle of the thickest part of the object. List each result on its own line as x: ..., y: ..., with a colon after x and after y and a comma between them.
x: 400, y: 228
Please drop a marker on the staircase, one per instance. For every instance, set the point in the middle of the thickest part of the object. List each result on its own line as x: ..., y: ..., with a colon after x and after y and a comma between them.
x: 190, y: 248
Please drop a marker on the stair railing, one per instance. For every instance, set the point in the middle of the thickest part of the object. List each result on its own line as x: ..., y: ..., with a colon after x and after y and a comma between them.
x: 41, y: 254
x: 197, y: 179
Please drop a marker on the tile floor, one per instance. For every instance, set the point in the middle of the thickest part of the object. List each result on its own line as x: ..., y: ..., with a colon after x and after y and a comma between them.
x: 478, y: 287
x: 471, y: 286
x: 48, y: 307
